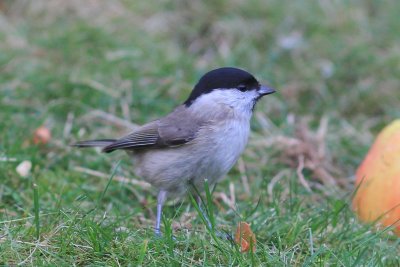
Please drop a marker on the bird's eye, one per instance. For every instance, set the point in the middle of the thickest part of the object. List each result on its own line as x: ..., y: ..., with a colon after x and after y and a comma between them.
x: 242, y: 87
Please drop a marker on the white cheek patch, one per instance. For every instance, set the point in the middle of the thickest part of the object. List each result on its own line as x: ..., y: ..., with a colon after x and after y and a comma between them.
x: 217, y: 101
x: 240, y: 101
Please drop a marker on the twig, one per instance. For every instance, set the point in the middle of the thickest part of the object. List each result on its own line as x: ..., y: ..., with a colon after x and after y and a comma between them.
x: 125, y: 110
x: 225, y: 199
x: 99, y: 87
x: 320, y: 136
x: 29, y: 257
x: 121, y: 179
x: 243, y: 176
x: 299, y: 171
x: 68, y: 124
x: 274, y: 181
x: 7, y: 159
x: 109, y: 117
x: 26, y: 218
x: 232, y: 193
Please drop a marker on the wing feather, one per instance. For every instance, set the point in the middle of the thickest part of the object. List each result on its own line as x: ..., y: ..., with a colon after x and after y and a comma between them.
x: 176, y: 129
x: 146, y: 135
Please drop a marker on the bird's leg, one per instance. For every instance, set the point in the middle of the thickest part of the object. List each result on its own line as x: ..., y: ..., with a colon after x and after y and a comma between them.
x: 162, y: 195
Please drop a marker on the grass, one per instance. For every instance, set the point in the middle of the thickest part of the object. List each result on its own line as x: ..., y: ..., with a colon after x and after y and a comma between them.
x: 70, y: 66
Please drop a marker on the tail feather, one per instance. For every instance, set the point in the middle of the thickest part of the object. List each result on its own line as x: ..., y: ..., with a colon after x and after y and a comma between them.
x: 94, y: 143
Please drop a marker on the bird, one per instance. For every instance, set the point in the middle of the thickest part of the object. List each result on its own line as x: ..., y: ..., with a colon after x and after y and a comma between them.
x: 201, y: 139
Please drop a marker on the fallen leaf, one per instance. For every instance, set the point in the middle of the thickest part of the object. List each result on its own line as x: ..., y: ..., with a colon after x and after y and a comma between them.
x: 24, y: 168
x: 42, y: 135
x: 245, y: 237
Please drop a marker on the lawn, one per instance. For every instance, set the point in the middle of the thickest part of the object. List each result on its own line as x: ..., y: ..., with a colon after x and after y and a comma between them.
x: 95, y: 69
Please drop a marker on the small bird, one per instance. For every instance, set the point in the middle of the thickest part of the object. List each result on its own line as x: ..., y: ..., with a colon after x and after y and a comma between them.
x: 201, y: 139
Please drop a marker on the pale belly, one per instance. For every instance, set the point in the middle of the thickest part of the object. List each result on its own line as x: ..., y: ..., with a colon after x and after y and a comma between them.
x: 177, y: 169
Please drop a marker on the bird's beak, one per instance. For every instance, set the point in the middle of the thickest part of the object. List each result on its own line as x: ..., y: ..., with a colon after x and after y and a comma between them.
x: 265, y: 90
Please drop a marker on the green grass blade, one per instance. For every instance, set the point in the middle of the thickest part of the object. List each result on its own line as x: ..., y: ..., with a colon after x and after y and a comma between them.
x: 36, y: 206
x: 210, y: 204
x: 108, y: 183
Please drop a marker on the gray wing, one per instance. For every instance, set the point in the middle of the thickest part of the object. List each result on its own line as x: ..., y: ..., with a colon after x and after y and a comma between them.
x: 175, y: 129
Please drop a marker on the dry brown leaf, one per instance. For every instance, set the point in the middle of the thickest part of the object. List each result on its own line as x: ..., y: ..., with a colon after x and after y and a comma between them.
x: 42, y: 135
x: 245, y: 237
x: 307, y: 150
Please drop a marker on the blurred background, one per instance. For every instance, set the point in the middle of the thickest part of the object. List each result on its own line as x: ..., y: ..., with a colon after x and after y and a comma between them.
x: 95, y: 69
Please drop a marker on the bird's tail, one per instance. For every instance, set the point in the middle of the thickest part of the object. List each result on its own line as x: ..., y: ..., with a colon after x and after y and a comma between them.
x: 95, y: 143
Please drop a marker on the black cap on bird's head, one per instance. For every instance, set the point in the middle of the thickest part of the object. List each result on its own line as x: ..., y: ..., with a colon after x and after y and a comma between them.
x: 226, y: 78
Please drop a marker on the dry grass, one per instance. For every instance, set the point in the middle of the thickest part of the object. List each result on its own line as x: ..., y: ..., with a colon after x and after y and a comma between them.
x: 94, y: 69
